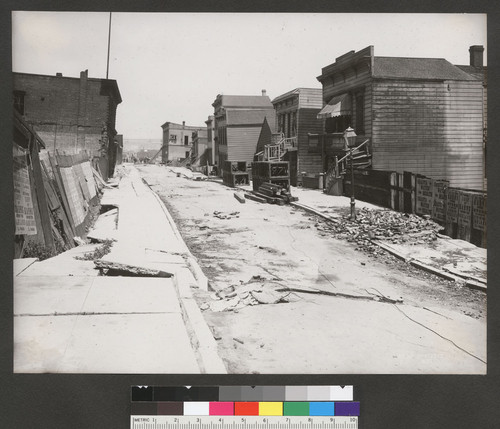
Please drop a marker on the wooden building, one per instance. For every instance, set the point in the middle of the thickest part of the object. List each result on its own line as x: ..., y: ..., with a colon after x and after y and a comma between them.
x: 201, y: 154
x: 238, y: 122
x: 422, y: 115
x: 210, y: 138
x: 296, y: 118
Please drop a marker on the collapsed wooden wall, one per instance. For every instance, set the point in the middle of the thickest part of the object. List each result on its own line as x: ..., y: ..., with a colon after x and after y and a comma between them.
x: 54, y: 196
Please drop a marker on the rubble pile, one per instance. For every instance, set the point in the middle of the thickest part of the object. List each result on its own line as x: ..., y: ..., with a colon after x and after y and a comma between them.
x: 256, y: 291
x: 222, y: 215
x: 384, y: 225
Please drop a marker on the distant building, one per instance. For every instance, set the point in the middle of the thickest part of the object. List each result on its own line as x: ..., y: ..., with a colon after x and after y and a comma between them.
x: 201, y: 153
x: 71, y: 114
x: 296, y: 118
x: 238, y: 123
x: 423, y: 115
x: 211, y: 138
x: 177, y: 141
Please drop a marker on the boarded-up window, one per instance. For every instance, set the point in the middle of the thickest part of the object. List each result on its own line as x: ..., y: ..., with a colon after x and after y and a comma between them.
x: 313, y: 143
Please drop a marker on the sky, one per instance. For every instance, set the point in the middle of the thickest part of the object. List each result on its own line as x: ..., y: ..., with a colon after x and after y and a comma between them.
x: 171, y: 66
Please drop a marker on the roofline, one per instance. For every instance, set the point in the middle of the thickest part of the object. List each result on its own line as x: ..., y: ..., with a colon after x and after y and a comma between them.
x: 195, y: 127
x: 435, y: 79
x: 93, y: 79
x: 295, y: 91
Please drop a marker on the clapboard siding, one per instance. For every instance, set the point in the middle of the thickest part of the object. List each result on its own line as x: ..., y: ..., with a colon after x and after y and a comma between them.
x: 242, y: 143
x: 310, y: 98
x: 308, y: 162
x: 432, y: 128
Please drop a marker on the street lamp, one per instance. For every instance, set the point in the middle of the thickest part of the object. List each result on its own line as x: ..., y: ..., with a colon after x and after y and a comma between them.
x: 350, y: 143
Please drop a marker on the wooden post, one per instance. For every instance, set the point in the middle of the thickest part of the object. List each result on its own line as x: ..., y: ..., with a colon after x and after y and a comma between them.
x: 401, y: 193
x: 408, y: 192
x: 393, y: 194
x: 40, y: 191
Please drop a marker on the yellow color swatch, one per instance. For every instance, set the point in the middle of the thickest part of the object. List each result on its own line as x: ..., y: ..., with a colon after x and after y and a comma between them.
x: 270, y: 408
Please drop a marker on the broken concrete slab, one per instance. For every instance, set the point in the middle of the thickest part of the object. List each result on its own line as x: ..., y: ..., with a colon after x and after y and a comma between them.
x: 128, y: 295
x: 139, y: 261
x: 105, y: 227
x: 74, y: 295
x: 65, y: 264
x: 118, y: 343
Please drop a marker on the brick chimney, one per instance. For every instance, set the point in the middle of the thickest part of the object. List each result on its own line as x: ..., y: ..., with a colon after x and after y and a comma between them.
x: 476, y: 55
x: 264, y: 93
x: 59, y: 74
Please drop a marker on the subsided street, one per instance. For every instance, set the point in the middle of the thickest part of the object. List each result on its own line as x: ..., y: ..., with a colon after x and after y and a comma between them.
x: 287, y: 295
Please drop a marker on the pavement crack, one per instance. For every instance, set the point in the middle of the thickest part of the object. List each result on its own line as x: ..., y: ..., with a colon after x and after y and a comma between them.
x: 89, y: 313
x: 439, y: 335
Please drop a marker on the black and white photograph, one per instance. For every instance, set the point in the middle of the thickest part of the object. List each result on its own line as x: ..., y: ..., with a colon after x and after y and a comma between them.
x: 249, y: 193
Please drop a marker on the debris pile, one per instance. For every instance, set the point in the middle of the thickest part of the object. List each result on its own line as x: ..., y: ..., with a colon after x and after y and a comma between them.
x: 272, y: 194
x: 256, y: 291
x: 385, y: 225
x: 222, y: 215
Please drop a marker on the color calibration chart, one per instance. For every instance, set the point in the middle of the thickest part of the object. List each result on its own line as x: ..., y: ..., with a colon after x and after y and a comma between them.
x: 243, y: 407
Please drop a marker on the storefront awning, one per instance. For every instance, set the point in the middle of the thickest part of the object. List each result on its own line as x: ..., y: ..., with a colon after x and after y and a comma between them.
x: 338, y: 106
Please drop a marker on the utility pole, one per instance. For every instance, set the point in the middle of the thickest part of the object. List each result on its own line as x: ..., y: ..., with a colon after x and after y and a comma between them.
x: 109, y: 42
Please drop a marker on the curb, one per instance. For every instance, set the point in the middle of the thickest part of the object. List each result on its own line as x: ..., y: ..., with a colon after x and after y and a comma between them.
x: 201, y: 279
x: 201, y: 337
x: 417, y: 264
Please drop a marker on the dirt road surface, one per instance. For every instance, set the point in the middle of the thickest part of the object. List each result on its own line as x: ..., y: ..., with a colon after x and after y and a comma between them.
x: 288, y: 297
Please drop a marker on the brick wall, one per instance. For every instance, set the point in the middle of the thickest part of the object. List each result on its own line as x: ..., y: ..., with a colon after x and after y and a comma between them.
x: 68, y: 113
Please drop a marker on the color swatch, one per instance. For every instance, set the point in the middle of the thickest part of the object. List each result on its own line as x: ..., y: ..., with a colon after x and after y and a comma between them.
x: 242, y: 393
x: 267, y: 401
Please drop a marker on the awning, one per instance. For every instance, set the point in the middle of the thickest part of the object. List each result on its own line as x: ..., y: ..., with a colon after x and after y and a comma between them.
x: 338, y: 106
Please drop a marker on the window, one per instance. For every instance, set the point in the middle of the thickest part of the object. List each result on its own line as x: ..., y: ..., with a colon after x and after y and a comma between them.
x: 19, y: 101
x: 173, y: 138
x: 360, y: 113
x: 186, y: 140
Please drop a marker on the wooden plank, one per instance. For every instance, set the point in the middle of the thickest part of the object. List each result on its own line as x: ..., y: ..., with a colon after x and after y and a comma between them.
x: 62, y: 193
x: 393, y: 193
x: 41, y: 196
x: 56, y: 205
x: 464, y: 215
x: 408, y: 204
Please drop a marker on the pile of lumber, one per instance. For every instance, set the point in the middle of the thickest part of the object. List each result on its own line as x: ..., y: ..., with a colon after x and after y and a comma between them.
x: 272, y: 194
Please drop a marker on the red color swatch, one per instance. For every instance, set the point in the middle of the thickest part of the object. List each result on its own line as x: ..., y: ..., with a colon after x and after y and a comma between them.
x: 246, y: 408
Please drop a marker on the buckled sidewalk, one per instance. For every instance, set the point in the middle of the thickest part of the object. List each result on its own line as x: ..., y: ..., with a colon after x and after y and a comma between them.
x: 70, y: 319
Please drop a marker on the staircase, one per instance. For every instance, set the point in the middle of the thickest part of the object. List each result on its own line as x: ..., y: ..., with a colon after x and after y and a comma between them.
x: 276, y: 151
x: 361, y: 158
